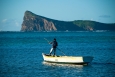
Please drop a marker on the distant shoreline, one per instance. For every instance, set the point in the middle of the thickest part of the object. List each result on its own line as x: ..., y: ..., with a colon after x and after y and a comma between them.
x: 62, y: 31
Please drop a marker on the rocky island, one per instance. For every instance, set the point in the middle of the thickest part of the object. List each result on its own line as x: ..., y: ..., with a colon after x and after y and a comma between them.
x: 33, y: 22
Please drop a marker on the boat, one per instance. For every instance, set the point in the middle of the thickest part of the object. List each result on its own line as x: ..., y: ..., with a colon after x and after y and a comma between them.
x: 67, y: 59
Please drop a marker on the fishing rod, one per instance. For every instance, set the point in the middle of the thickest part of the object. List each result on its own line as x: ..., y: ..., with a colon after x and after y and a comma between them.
x: 47, y: 40
x: 61, y: 51
x: 57, y: 48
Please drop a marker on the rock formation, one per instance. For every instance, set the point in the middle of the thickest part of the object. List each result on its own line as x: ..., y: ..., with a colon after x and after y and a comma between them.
x: 33, y: 22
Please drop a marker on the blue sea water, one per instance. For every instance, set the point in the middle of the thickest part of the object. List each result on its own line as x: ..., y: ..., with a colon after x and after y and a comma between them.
x: 21, y: 54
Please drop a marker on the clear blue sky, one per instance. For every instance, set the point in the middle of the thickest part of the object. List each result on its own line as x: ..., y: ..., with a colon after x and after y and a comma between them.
x: 12, y: 11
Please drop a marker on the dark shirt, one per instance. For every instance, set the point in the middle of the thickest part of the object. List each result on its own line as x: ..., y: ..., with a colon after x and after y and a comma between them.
x: 54, y: 44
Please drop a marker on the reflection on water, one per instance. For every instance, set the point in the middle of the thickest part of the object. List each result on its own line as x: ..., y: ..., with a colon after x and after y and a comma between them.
x: 66, y: 70
x: 78, y: 68
x: 62, y: 65
x: 72, y: 70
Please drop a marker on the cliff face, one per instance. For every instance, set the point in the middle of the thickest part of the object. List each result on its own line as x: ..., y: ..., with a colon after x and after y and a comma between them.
x: 33, y: 22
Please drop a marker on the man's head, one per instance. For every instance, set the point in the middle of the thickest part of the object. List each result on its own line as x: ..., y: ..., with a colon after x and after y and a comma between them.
x: 54, y: 39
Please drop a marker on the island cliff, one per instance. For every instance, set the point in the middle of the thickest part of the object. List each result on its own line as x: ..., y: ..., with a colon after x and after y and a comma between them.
x: 33, y: 22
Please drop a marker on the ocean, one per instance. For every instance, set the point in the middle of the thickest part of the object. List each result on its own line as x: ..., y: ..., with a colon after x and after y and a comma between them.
x: 21, y: 54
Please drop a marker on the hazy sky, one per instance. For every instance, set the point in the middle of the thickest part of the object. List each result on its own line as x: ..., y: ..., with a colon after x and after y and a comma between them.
x: 12, y: 11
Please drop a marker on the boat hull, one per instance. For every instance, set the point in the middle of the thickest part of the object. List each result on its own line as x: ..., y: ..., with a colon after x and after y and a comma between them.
x: 67, y: 59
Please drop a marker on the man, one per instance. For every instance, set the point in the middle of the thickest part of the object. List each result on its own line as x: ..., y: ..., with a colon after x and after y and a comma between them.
x: 54, y: 46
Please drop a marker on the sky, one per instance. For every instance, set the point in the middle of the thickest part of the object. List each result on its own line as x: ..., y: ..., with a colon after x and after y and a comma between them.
x: 12, y: 11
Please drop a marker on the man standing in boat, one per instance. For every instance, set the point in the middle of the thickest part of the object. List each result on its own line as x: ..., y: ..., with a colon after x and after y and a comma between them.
x: 54, y: 46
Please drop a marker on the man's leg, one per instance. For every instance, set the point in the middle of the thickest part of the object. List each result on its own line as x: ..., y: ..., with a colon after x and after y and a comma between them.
x: 51, y: 51
x: 54, y: 51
